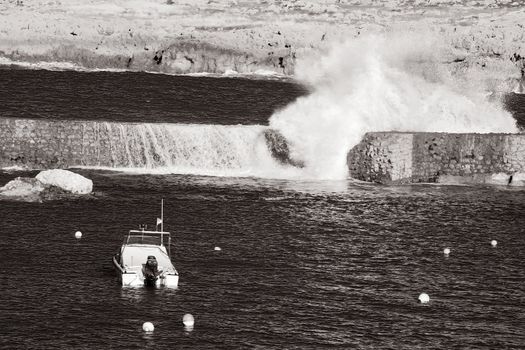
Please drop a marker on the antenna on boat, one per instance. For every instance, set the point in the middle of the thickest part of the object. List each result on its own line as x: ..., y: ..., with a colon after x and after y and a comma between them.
x: 160, y: 221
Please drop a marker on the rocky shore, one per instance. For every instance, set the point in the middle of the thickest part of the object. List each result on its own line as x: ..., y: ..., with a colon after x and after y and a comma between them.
x: 227, y: 36
x: 47, y: 185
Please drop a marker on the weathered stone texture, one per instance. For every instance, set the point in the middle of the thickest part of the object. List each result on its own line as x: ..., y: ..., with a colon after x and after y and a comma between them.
x: 383, y: 157
x: 391, y: 157
x: 52, y: 144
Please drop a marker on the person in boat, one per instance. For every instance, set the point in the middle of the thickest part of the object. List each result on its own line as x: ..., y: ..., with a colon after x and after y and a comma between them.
x: 150, y: 270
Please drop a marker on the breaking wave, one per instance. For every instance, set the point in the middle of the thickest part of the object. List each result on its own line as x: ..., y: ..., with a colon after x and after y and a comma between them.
x: 215, y: 150
x: 399, y: 82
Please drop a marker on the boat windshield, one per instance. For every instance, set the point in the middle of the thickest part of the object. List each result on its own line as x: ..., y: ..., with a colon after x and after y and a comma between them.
x: 148, y: 237
x: 143, y: 240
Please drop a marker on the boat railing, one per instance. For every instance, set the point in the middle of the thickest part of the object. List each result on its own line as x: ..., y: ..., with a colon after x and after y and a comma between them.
x: 159, y: 238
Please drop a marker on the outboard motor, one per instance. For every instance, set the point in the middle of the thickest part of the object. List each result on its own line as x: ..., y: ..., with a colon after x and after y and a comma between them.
x: 150, y: 271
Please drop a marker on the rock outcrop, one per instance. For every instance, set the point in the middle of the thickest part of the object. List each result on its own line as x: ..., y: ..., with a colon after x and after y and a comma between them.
x: 226, y: 35
x: 23, y: 188
x: 47, y: 185
x: 66, y: 180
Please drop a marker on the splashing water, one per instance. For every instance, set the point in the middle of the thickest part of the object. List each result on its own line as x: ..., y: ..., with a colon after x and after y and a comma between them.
x: 380, y: 83
x: 217, y: 150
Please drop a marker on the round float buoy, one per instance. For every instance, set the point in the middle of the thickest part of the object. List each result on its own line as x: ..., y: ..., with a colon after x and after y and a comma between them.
x: 424, y: 298
x: 446, y: 251
x: 188, y: 320
x: 493, y: 243
x: 148, y: 327
x: 78, y: 235
x: 217, y: 249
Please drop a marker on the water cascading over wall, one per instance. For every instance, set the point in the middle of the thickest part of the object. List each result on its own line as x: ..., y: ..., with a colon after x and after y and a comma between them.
x: 177, y: 148
x: 235, y: 150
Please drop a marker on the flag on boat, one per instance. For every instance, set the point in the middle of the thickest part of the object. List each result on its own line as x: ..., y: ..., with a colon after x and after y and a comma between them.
x: 159, y: 221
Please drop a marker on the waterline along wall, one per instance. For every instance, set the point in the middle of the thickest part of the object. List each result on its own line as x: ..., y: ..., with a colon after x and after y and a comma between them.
x: 403, y: 157
x: 175, y: 147
x: 382, y: 157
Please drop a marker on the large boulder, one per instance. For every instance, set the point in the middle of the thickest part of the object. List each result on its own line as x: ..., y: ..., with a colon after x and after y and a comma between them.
x: 66, y: 180
x: 278, y: 147
x: 48, y: 185
x: 24, y: 188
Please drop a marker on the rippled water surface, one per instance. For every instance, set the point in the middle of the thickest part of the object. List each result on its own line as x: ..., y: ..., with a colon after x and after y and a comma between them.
x: 141, y: 97
x: 303, y: 265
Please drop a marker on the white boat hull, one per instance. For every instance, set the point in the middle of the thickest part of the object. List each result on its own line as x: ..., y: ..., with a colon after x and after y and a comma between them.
x: 132, y: 276
x: 137, y: 280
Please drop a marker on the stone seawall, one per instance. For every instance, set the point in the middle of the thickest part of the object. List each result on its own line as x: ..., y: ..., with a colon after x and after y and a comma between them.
x: 382, y: 157
x: 394, y: 157
x: 49, y: 144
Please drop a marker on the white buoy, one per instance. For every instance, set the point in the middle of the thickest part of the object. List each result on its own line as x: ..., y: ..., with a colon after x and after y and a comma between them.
x: 217, y: 249
x: 188, y: 320
x: 446, y: 251
x: 78, y: 235
x: 148, y: 327
x: 493, y: 243
x: 424, y: 298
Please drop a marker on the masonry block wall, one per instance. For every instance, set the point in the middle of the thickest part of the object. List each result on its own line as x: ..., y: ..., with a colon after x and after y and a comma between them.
x: 395, y: 157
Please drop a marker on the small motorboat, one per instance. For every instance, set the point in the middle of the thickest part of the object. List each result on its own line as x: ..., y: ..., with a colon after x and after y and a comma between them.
x: 144, y: 259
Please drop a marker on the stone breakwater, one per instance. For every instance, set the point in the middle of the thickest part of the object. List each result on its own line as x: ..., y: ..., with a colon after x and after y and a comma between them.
x: 382, y: 157
x: 50, y: 144
x: 398, y: 158
x: 188, y: 148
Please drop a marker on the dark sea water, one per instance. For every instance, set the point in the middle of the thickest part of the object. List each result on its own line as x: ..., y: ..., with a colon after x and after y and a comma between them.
x: 303, y: 265
x: 141, y: 97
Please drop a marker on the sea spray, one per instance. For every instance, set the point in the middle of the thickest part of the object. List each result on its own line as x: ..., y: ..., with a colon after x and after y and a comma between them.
x: 198, y: 149
x: 400, y: 82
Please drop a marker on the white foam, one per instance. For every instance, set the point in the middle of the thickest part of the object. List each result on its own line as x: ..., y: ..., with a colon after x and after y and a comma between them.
x: 14, y: 168
x: 395, y: 82
x: 380, y: 83
x: 198, y: 149
x: 47, y: 65
x: 69, y: 66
